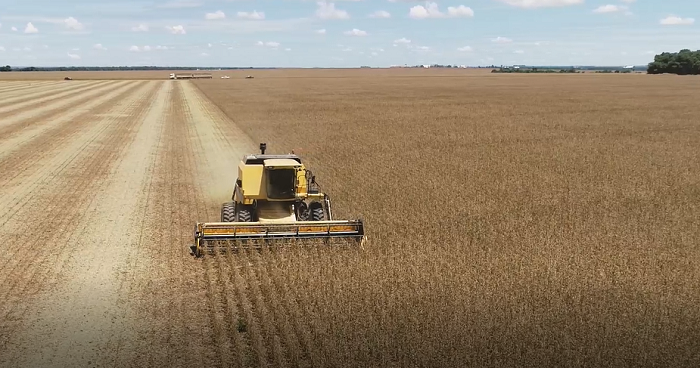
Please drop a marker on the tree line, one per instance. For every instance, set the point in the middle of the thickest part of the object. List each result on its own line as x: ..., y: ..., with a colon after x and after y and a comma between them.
x: 684, y: 62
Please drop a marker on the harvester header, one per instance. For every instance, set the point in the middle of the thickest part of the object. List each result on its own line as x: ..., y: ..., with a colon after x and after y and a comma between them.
x: 274, y: 198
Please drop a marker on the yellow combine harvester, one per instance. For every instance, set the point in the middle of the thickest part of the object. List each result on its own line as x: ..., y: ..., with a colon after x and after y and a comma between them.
x: 274, y: 197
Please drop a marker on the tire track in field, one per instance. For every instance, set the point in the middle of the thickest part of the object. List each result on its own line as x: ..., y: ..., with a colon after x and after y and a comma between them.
x: 9, y: 106
x: 23, y: 86
x: 45, y: 90
x: 97, y: 274
x: 39, y: 238
x: 167, y: 290
x: 40, y: 190
x: 272, y: 340
x: 23, y: 90
x: 31, y: 166
x: 35, y: 117
x: 8, y: 85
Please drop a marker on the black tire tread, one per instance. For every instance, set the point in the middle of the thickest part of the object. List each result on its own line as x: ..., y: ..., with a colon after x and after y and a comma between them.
x: 228, y: 212
x: 245, y: 214
x: 316, y: 210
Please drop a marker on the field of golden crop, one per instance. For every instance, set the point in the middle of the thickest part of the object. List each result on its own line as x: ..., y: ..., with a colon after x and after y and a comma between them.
x: 513, y: 220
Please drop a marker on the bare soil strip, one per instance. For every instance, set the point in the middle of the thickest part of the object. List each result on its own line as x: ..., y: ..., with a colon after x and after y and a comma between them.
x: 31, y: 128
x: 168, y: 288
x: 25, y: 99
x: 191, y: 321
x: 31, y: 167
x: 105, y: 251
x: 42, y: 113
x: 23, y: 86
x: 43, y: 236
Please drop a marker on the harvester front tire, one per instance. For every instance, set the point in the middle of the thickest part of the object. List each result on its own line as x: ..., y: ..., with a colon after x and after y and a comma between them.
x: 228, y: 212
x: 316, y: 210
x: 245, y: 214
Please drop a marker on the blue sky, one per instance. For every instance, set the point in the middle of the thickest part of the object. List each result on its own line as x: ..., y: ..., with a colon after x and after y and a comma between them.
x: 307, y: 33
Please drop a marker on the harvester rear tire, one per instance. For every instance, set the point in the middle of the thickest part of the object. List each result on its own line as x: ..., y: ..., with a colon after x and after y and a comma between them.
x: 228, y: 212
x: 316, y: 210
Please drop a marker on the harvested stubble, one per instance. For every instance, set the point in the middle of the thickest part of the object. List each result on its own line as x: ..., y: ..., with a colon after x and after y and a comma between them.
x: 512, y: 220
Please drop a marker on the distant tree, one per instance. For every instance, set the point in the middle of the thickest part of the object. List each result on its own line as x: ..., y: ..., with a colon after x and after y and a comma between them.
x: 6, y: 68
x: 684, y: 62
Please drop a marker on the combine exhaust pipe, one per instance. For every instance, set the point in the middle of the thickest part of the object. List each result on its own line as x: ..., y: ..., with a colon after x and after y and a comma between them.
x: 207, y: 235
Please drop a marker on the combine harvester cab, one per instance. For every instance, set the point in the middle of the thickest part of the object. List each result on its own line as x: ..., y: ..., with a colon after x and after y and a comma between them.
x: 274, y: 198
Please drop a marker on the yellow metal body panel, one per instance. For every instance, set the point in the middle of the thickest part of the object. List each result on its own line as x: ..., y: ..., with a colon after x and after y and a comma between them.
x: 282, y: 163
x: 253, y: 180
x: 302, y: 189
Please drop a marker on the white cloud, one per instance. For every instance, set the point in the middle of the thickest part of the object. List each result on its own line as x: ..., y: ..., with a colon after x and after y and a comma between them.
x: 518, y: 52
x: 500, y: 39
x: 272, y: 44
x: 431, y: 10
x: 215, y: 15
x: 541, y: 3
x: 147, y: 48
x: 609, y: 8
x: 209, y: 45
x: 355, y: 32
x: 465, y: 49
x: 287, y: 49
x: 404, y: 41
x: 254, y: 15
x: 14, y: 29
x: 179, y: 29
x: 99, y: 46
x: 328, y: 11
x: 140, y: 28
x: 628, y: 1
x: 460, y: 11
x: 380, y: 14
x: 74, y: 56
x: 72, y: 23
x: 134, y: 48
x: 30, y: 28
x: 421, y: 12
x: 159, y: 47
x: 321, y: 31
x: 674, y: 20
x: 204, y: 54
x: 2, y: 48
